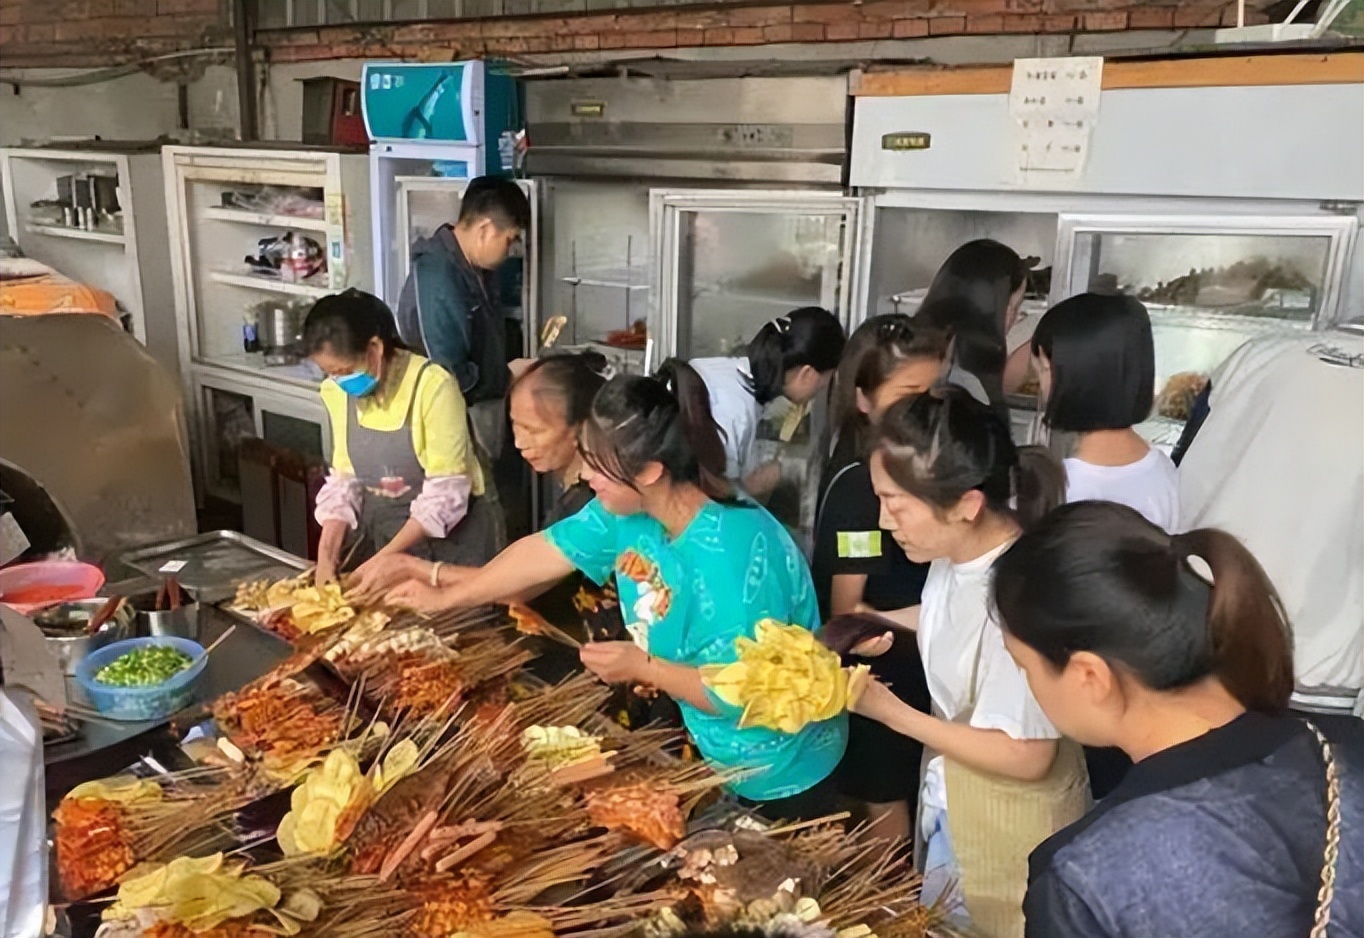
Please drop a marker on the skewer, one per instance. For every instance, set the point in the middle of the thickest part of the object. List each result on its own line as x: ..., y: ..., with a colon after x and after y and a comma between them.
x: 220, y: 639
x: 91, y: 716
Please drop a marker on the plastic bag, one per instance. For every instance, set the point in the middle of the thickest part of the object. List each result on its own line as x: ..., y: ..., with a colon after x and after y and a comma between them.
x: 23, y: 883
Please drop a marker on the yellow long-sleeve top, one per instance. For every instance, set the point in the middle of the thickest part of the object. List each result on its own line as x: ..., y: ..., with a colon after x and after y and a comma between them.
x: 440, y: 438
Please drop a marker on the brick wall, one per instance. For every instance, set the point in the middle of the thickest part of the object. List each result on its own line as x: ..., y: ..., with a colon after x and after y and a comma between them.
x: 103, y: 32
x: 37, y: 33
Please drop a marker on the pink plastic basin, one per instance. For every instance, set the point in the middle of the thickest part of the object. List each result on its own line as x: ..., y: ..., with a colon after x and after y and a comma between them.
x: 28, y: 587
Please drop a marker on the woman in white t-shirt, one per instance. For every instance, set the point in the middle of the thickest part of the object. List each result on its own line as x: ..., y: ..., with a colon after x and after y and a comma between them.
x: 1096, y: 368
x: 793, y: 356
x: 949, y: 478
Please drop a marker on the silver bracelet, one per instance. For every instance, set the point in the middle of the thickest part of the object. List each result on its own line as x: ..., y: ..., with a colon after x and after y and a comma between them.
x: 435, y: 573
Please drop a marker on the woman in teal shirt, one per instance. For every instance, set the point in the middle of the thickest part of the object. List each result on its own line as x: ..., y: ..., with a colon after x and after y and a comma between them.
x: 695, y: 569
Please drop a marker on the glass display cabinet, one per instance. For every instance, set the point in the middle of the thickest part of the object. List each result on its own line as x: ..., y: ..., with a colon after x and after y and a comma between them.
x: 1209, y: 283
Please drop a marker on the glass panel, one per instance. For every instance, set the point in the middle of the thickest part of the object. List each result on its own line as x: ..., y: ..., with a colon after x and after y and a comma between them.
x: 1207, y: 294
x: 231, y: 420
x: 738, y: 270
x: 1224, y: 274
x: 426, y: 208
x: 294, y: 434
x: 601, y: 265
x: 911, y: 244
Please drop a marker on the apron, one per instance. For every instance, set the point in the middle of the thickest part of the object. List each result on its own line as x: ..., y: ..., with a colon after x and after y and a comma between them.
x: 996, y: 822
x: 386, y: 464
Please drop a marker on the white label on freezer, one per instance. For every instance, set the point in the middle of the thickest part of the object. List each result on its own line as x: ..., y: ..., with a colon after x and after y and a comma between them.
x: 173, y: 566
x: 1055, y: 105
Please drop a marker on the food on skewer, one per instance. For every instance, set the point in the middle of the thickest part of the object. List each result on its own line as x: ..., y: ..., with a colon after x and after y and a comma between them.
x: 297, y: 607
x: 105, y: 828
x: 285, y: 724
x: 651, y: 812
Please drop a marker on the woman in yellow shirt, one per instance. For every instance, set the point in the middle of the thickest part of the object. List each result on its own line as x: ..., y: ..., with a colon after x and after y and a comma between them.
x: 404, y: 476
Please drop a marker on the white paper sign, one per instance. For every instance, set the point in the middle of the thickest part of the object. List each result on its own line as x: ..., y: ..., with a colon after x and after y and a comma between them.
x: 173, y: 566
x: 1055, y: 105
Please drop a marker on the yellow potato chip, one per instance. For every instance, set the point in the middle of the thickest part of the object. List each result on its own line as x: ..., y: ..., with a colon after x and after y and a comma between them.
x: 124, y: 789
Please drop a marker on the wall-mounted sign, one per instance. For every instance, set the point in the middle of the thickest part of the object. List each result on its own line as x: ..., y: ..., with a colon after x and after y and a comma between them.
x: 906, y: 141
x: 588, y: 108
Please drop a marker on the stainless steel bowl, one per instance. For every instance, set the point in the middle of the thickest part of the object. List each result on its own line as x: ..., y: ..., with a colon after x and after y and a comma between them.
x: 179, y: 623
x: 64, y: 628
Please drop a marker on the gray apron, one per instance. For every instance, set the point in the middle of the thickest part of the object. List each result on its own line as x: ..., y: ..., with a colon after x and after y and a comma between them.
x: 386, y: 464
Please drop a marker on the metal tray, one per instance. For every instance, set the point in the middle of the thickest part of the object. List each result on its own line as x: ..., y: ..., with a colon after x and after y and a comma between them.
x: 215, y: 563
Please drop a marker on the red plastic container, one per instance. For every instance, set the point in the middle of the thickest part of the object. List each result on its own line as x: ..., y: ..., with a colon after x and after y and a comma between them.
x: 28, y: 587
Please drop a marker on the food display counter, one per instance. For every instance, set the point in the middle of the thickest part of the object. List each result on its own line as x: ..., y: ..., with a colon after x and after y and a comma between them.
x: 347, y: 767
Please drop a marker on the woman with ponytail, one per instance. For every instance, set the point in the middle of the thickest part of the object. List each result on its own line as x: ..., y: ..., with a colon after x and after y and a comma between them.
x: 793, y: 356
x: 1237, y: 818
x: 695, y: 569
x: 955, y: 493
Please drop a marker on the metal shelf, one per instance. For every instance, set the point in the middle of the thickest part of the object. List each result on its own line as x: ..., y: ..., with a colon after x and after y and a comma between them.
x: 243, y: 217
x: 268, y: 285
x: 79, y: 234
x: 744, y: 296
x: 304, y: 374
x: 616, y: 278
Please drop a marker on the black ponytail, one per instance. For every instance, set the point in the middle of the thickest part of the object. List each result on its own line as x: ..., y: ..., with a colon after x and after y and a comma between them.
x: 664, y: 419
x: 1098, y: 577
x: 941, y: 445
x: 346, y: 322
x: 810, y: 336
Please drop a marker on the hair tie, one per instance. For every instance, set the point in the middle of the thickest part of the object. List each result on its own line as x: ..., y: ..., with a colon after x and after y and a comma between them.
x: 782, y: 324
x: 606, y: 372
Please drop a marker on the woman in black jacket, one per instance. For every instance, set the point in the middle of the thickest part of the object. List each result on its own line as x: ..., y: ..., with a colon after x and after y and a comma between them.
x: 1235, y: 814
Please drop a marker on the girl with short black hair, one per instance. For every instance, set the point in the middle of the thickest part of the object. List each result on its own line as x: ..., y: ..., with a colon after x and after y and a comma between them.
x: 404, y: 476
x: 1096, y: 364
x: 1237, y: 818
x: 696, y: 569
x: 1095, y: 359
x: 793, y: 356
x: 955, y: 493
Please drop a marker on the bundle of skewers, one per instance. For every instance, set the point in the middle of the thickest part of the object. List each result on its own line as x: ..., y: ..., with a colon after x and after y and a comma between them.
x: 282, y: 724
x: 413, y: 671
x: 106, y: 827
x: 219, y: 896
x: 298, y: 608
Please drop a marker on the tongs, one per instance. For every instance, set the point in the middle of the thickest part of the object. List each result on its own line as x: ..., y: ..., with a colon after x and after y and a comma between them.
x: 104, y: 614
x: 170, y: 596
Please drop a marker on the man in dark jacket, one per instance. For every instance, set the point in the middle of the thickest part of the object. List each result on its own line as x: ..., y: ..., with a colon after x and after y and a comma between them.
x: 449, y: 309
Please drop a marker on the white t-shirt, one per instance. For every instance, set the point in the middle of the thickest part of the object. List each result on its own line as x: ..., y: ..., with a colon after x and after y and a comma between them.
x: 1279, y: 463
x: 733, y: 406
x: 956, y: 624
x: 1150, y: 485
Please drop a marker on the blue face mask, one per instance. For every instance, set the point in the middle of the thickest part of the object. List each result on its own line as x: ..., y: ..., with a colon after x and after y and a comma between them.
x: 357, y: 384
